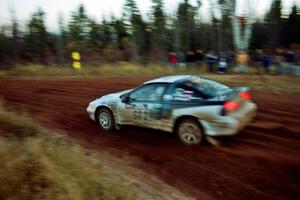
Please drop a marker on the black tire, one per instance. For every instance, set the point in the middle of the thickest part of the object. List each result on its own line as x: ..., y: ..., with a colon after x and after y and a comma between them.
x: 190, y: 132
x: 105, y: 120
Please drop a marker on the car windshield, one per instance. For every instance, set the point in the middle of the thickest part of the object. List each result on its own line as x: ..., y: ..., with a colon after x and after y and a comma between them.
x: 208, y: 87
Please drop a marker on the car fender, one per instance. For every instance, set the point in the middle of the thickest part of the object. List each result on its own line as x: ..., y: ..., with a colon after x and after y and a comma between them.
x: 202, y: 113
x: 110, y: 102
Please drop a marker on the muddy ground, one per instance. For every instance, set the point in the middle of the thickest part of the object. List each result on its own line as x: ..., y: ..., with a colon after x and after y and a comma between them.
x: 262, y: 162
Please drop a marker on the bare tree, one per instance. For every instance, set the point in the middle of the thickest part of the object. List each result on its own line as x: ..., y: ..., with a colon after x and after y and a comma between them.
x: 242, y: 27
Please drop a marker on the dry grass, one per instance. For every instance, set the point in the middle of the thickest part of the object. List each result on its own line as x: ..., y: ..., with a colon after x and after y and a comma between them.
x: 39, y: 164
x: 260, y: 82
x: 112, y: 69
x: 121, y: 68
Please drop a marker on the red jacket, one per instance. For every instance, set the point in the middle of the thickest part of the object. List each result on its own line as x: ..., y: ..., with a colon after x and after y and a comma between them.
x: 172, y: 59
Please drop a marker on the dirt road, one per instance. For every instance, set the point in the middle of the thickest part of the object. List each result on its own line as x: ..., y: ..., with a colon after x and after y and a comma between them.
x: 263, y: 162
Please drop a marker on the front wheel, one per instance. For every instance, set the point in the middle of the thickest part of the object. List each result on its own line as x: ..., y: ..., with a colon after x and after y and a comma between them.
x: 105, y: 119
x: 190, y: 132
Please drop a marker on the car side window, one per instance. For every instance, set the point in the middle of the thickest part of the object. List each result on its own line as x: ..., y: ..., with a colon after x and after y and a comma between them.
x: 186, y: 93
x: 151, y: 92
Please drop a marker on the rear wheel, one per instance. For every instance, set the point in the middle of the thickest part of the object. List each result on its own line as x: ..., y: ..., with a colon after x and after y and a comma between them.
x: 190, y: 132
x: 105, y: 119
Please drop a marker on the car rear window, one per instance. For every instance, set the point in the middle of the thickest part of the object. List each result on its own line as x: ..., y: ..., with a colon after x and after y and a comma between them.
x: 210, y: 88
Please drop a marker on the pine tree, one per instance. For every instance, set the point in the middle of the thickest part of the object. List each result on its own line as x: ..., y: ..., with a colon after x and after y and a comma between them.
x: 15, y: 37
x: 62, y: 31
x: 94, y: 35
x: 36, y: 39
x: 274, y: 21
x: 294, y: 26
x: 120, y: 31
x: 158, y: 25
x: 62, y: 41
x: 79, y: 28
x: 137, y: 28
x: 185, y: 27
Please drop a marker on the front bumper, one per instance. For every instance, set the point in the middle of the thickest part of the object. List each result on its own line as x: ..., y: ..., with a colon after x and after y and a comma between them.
x: 230, y: 125
x: 91, y: 114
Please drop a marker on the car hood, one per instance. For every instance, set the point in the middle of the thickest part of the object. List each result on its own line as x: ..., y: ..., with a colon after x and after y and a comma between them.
x: 110, y: 97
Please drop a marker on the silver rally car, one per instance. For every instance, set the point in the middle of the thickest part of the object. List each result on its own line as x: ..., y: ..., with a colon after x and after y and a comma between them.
x: 190, y: 106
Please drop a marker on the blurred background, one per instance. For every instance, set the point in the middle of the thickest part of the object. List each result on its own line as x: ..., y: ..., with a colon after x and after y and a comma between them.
x: 151, y: 31
x: 95, y: 47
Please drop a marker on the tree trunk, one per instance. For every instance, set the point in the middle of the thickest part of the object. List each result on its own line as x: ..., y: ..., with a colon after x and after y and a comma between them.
x: 241, y: 38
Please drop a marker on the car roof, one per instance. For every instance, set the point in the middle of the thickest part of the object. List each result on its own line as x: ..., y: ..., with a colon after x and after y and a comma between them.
x: 170, y: 79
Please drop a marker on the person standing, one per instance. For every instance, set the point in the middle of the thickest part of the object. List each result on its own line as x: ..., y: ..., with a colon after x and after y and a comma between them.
x: 278, y: 59
x: 172, y: 59
x: 258, y: 60
x: 190, y: 59
x: 230, y: 59
x: 267, y: 60
x: 242, y: 60
x: 199, y: 57
x: 181, y: 59
x: 222, y: 63
x: 297, y: 62
x: 210, y: 59
x: 289, y: 58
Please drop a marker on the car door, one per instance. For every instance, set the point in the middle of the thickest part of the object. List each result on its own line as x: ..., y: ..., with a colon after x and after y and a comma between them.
x: 182, y: 99
x: 144, y: 106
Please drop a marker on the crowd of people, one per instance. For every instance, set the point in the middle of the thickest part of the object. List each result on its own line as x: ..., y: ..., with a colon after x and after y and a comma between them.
x: 279, y: 61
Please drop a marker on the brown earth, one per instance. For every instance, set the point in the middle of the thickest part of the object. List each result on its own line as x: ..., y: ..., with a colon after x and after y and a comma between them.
x: 262, y: 162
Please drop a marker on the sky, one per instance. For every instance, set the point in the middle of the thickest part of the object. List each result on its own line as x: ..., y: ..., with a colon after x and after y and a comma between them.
x: 105, y: 8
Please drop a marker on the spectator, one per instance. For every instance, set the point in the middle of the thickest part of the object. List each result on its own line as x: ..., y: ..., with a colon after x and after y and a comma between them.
x: 230, y: 59
x: 267, y: 60
x: 199, y: 57
x: 278, y: 59
x: 242, y: 60
x: 289, y: 59
x: 297, y: 58
x: 172, y: 59
x: 211, y: 58
x: 181, y: 59
x: 222, y: 62
x: 190, y: 58
x: 258, y: 60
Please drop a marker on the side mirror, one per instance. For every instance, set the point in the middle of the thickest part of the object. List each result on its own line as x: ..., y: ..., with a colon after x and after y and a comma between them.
x: 125, y: 98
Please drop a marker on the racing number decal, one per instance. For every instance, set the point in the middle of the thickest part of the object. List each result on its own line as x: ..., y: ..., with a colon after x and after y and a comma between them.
x: 141, y: 115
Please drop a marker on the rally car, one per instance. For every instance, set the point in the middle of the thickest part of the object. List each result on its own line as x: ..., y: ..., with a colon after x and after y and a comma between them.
x: 191, y: 106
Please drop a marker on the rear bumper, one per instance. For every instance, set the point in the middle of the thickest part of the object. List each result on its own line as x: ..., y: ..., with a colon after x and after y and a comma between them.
x: 230, y: 125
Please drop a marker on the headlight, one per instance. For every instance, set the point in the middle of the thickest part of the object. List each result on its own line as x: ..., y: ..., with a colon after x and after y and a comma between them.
x: 90, y: 107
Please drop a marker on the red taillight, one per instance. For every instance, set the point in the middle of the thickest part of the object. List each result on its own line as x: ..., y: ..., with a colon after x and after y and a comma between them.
x: 231, y: 105
x: 245, y: 95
